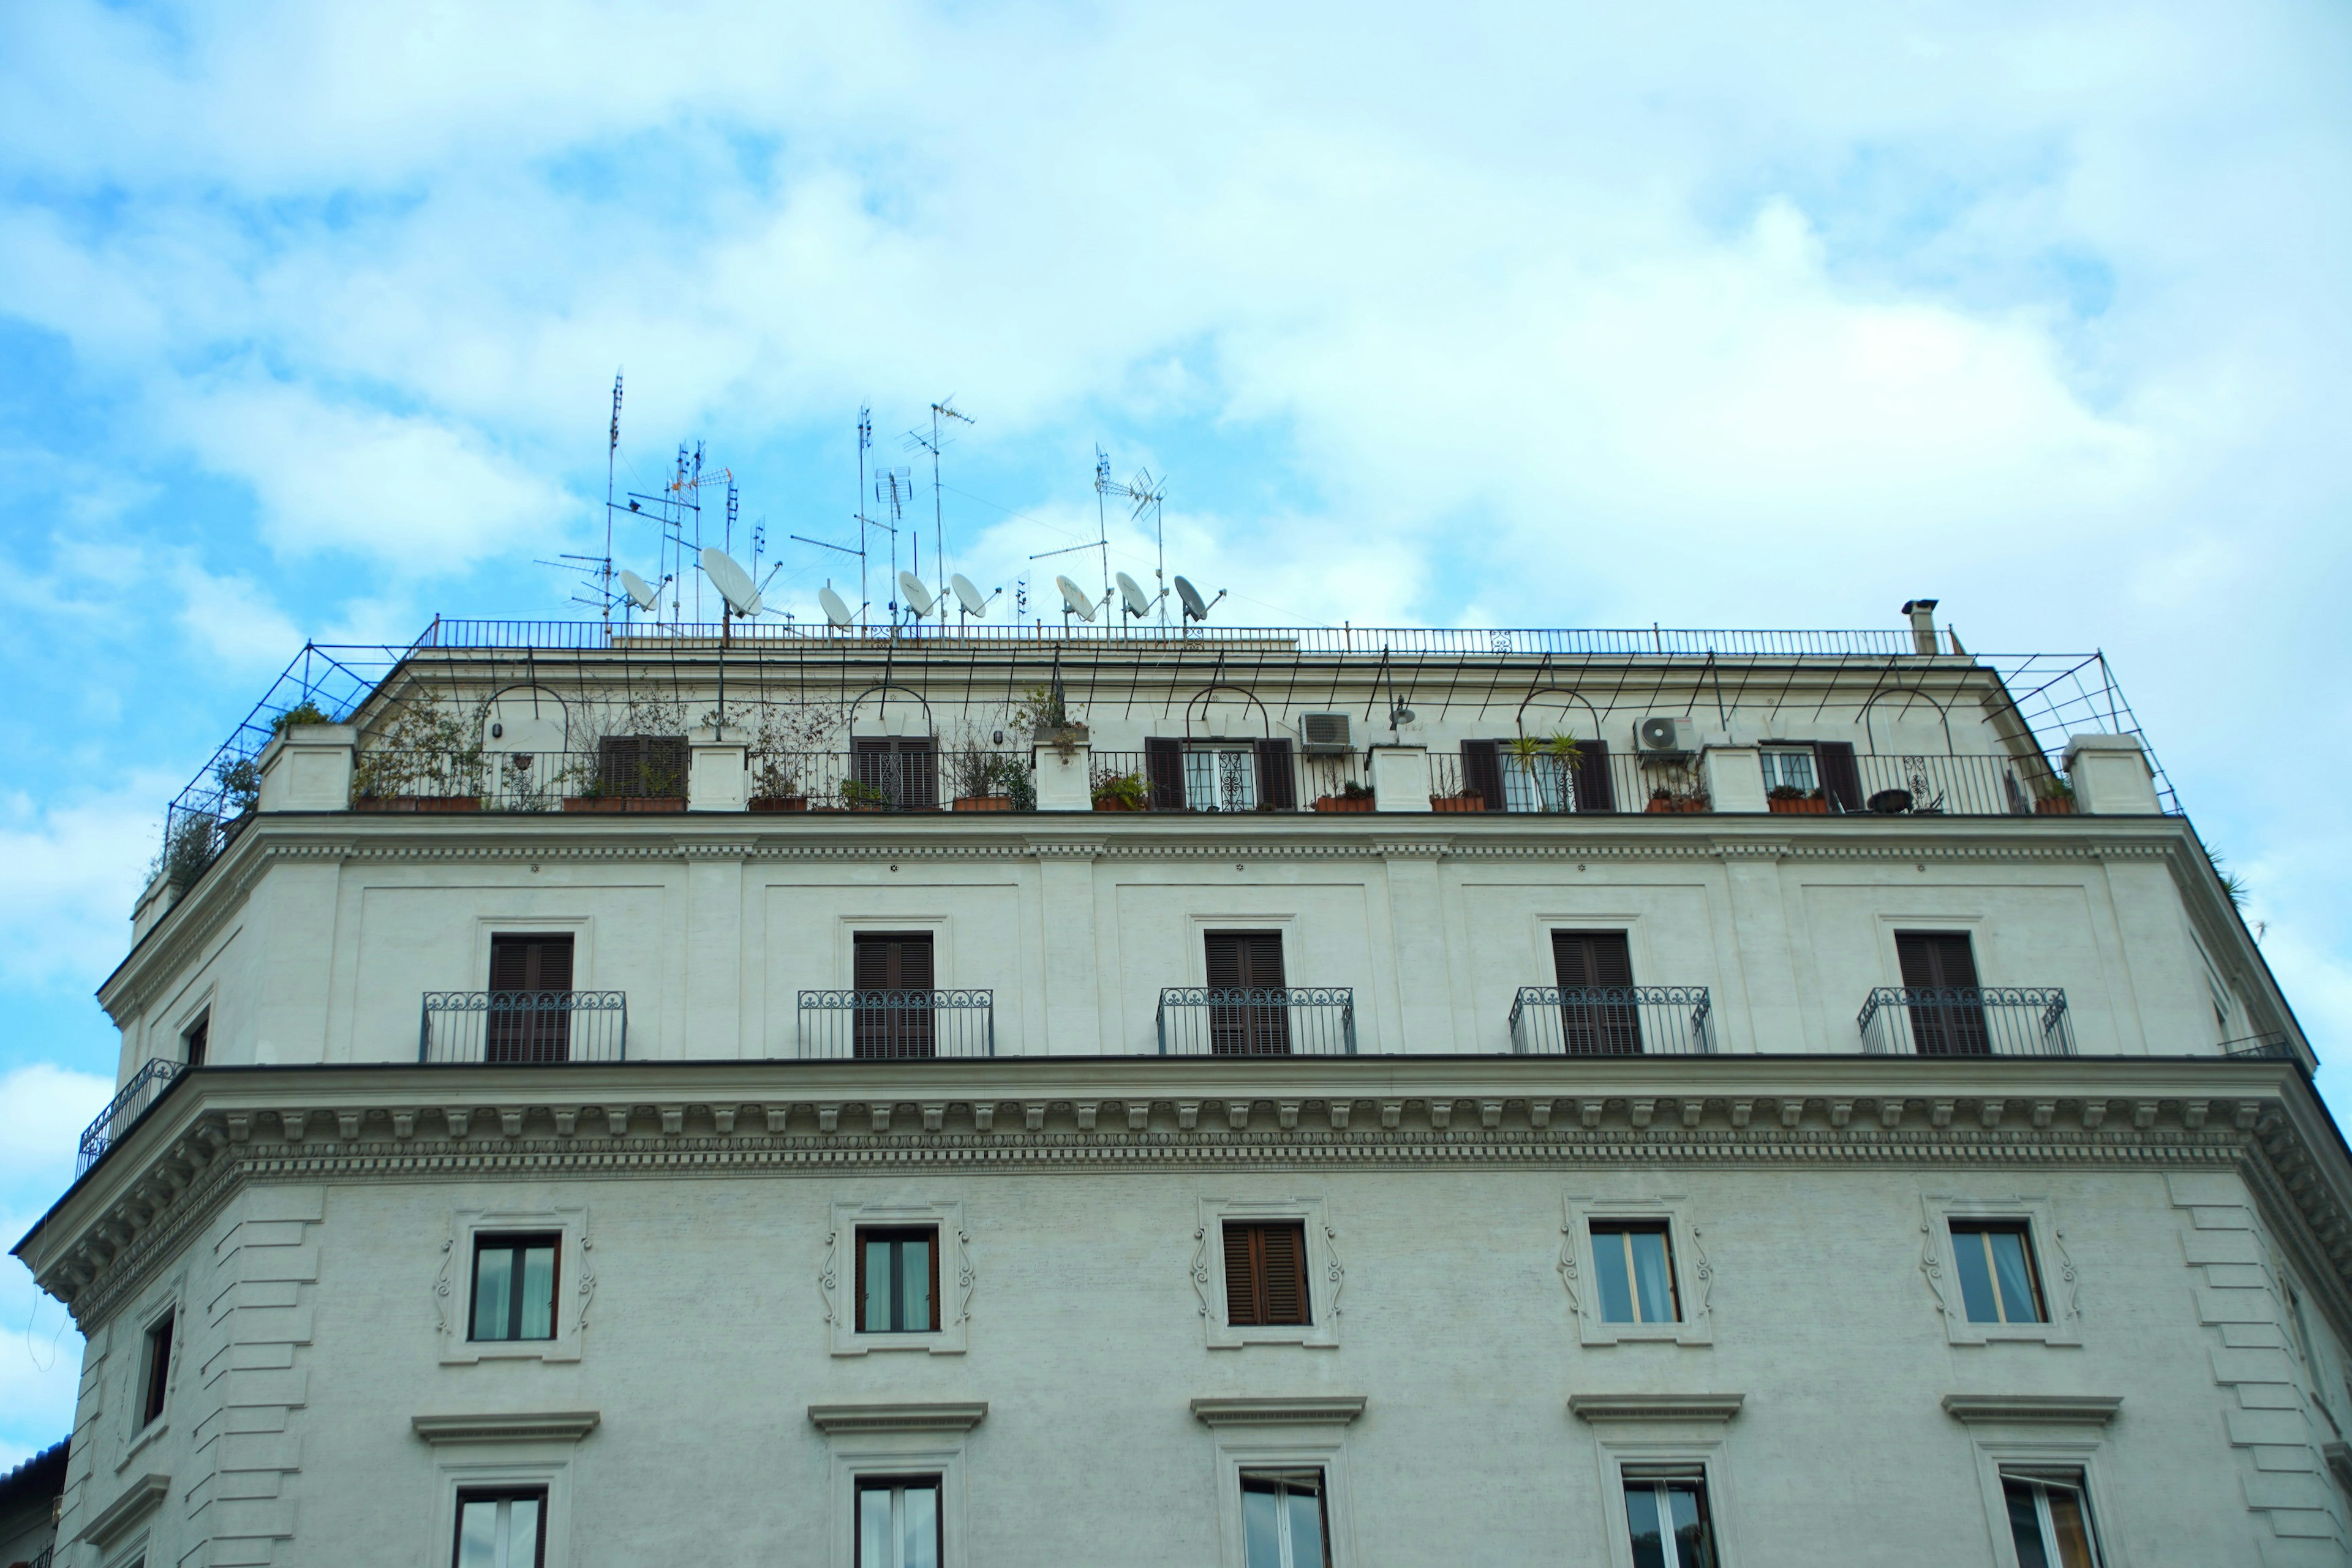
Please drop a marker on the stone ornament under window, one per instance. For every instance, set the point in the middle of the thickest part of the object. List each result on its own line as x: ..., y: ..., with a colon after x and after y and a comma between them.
x: 1635, y: 1269
x: 897, y: 1277
x: 1268, y: 1271
x: 2000, y: 1271
x: 515, y: 1284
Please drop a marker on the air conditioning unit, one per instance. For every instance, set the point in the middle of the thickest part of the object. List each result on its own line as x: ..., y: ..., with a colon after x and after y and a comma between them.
x: 1324, y: 734
x: 1665, y: 738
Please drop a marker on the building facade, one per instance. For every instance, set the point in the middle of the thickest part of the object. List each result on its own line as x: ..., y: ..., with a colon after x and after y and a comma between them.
x: 1256, y: 1098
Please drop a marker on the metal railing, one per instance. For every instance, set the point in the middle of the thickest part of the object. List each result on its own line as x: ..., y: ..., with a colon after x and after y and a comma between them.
x: 1258, y: 1021
x: 123, y: 1112
x: 893, y: 781
x: 1959, y: 786
x: 2274, y: 1047
x: 1966, y: 1021
x: 1612, y: 1021
x: 1544, y: 785
x: 499, y: 1027
x: 887, y: 1025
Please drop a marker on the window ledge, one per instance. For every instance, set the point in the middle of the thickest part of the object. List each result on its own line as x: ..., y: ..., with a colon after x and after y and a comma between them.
x: 146, y: 1437
x: 1655, y: 1406
x: 2089, y: 1409
x: 836, y: 1420
x: 1320, y: 1410
x: 117, y: 1519
x: 552, y: 1425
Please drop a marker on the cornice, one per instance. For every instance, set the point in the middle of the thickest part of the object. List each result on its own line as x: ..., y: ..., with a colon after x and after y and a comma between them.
x: 2074, y: 1409
x: 1280, y: 1410
x: 836, y: 1420
x: 1655, y: 1406
x: 129, y: 1507
x: 540, y: 1426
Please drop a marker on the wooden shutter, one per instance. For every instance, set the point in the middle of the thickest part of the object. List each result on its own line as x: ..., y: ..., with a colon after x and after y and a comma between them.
x: 1276, y: 784
x: 894, y: 964
x: 1939, y: 962
x: 1266, y: 1274
x: 1163, y: 770
x: 531, y: 962
x: 532, y: 1034
x: 641, y: 765
x: 1482, y: 771
x: 1586, y: 961
x: 1247, y: 959
x: 1935, y: 958
x: 1841, y: 775
x: 1595, y: 790
x: 904, y: 773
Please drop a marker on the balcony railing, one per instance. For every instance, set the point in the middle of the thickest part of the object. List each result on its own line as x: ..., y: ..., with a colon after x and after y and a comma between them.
x: 1612, y: 1021
x: 1966, y: 1021
x: 1258, y: 1021
x: 891, y: 1025
x: 123, y: 1112
x: 499, y: 1027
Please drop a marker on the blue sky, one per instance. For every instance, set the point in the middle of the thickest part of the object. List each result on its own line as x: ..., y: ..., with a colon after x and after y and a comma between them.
x: 1555, y: 313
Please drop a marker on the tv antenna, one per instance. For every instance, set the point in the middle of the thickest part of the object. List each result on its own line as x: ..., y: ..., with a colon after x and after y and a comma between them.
x: 1143, y: 494
x: 740, y: 597
x: 612, y: 454
x: 894, y: 487
x: 1103, y: 485
x: 944, y: 408
x: 858, y: 517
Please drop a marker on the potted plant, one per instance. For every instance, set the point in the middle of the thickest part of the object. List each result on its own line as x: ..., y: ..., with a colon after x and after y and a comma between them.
x: 1668, y: 798
x: 2056, y: 799
x: 1352, y: 797
x: 988, y: 780
x: 775, y: 786
x: 1788, y: 799
x: 1121, y: 792
x: 1463, y: 799
x: 423, y: 759
x: 858, y: 795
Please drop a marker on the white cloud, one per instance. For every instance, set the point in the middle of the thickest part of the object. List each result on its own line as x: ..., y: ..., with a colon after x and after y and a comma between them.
x: 45, y: 1109
x: 69, y: 872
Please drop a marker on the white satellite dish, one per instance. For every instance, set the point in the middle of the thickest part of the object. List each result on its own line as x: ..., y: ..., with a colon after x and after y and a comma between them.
x: 1138, y: 602
x: 967, y: 596
x: 641, y: 592
x: 918, y: 598
x: 836, y: 609
x: 1195, y: 607
x: 1074, y: 600
x: 734, y: 583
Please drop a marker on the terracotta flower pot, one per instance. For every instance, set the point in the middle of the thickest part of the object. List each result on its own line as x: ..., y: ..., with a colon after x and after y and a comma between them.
x: 983, y: 803
x: 417, y: 803
x: 780, y: 803
x: 1677, y: 806
x: 1457, y: 803
x: 1799, y: 807
x: 1112, y: 803
x: 1343, y: 803
x: 2055, y: 805
x: 624, y: 803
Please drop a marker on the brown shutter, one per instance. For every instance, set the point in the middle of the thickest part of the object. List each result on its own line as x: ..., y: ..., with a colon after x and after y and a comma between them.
x: 1163, y: 769
x: 892, y: 961
x: 1595, y: 790
x: 1588, y: 958
x: 1482, y: 771
x: 1247, y: 959
x: 1593, y: 960
x: 1276, y: 785
x: 1935, y: 958
x: 531, y: 962
x: 1941, y: 961
x: 1266, y: 1274
x: 919, y: 775
x: 1840, y: 774
x: 1225, y: 958
x: 1285, y: 1273
x: 665, y: 765
x: 1243, y: 1293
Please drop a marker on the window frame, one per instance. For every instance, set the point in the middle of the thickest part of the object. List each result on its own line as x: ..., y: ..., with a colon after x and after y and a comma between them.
x: 1693, y: 1272
x: 862, y: 1236
x: 1625, y: 1229
x: 511, y: 1243
x: 902, y: 1449
x: 2052, y: 1265
x: 507, y: 1493
x: 1325, y: 1275
x: 1632, y: 1474
x: 542, y: 1464
x: 841, y: 1267
x: 1979, y: 1231
x: 159, y: 1364
x: 2040, y: 1485
x: 2004, y: 1443
x: 195, y: 1038
x: 1262, y: 1447
x: 576, y: 1282
x: 1282, y: 1480
x: 1649, y: 1445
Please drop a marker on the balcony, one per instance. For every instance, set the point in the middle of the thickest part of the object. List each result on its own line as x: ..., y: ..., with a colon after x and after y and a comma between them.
x: 1258, y: 1021
x: 896, y: 1026
x: 529, y: 1028
x: 123, y: 1112
x: 1966, y: 1021
x: 1612, y: 1021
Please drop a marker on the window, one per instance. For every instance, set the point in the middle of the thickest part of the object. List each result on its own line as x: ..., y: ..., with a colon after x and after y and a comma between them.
x: 895, y: 1013
x: 1282, y: 1522
x: 1221, y: 778
x: 530, y: 984
x: 1940, y: 969
x: 514, y: 1287
x: 641, y: 767
x: 155, y: 1369
x: 1997, y: 1283
x: 898, y: 1521
x: 1789, y: 767
x: 1220, y: 775
x: 1266, y: 1274
x: 899, y: 1281
x: 1252, y: 1018
x: 195, y: 1040
x: 1588, y: 965
x: 1506, y: 782
x: 900, y: 774
x: 1634, y: 1269
x: 2050, y: 1518
x: 501, y: 1528
x: 1665, y: 1514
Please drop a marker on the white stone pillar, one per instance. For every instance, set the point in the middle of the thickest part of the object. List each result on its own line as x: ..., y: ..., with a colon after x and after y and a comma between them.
x: 308, y: 767
x: 1074, y: 966
x: 719, y: 778
x: 2110, y: 776
x: 1401, y: 778
x: 152, y: 905
x: 1064, y: 764
x: 1734, y: 777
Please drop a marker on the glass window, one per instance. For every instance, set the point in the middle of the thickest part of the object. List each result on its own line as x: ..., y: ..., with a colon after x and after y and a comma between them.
x: 2050, y: 1519
x: 1665, y: 1513
x: 1634, y: 1269
x: 1283, y: 1525
x: 898, y: 1281
x: 156, y: 1386
x: 898, y: 1522
x: 514, y: 1287
x: 1221, y: 778
x: 501, y: 1530
x: 1997, y: 1278
x: 1789, y: 767
x: 1536, y: 783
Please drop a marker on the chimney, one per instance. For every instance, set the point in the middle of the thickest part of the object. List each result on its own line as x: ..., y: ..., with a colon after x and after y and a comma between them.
x: 1923, y: 623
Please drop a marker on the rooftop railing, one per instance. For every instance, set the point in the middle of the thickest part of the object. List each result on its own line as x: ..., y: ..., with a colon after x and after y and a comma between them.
x: 123, y: 1112
x: 503, y: 1028
x: 1966, y: 1021
x: 1612, y: 1021
x: 1258, y: 1021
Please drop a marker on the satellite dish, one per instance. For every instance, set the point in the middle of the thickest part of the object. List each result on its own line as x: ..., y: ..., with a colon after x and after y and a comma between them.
x: 1074, y: 600
x: 967, y: 596
x: 835, y: 609
x: 734, y: 583
x: 1195, y: 607
x: 641, y: 592
x: 918, y: 598
x: 1138, y: 602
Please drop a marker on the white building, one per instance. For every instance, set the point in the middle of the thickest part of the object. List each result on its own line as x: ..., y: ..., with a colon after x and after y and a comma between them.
x: 1493, y: 1092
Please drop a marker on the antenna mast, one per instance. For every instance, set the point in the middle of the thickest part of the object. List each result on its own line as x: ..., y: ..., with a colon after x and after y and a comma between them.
x: 1104, y: 485
x: 944, y: 408
x: 612, y: 453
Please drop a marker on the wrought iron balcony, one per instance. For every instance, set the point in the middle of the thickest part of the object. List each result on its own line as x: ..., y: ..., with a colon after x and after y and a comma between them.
x: 497, y: 1027
x: 1612, y: 1021
x: 1966, y: 1021
x: 890, y: 1026
x: 1258, y: 1021
x: 123, y: 1112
